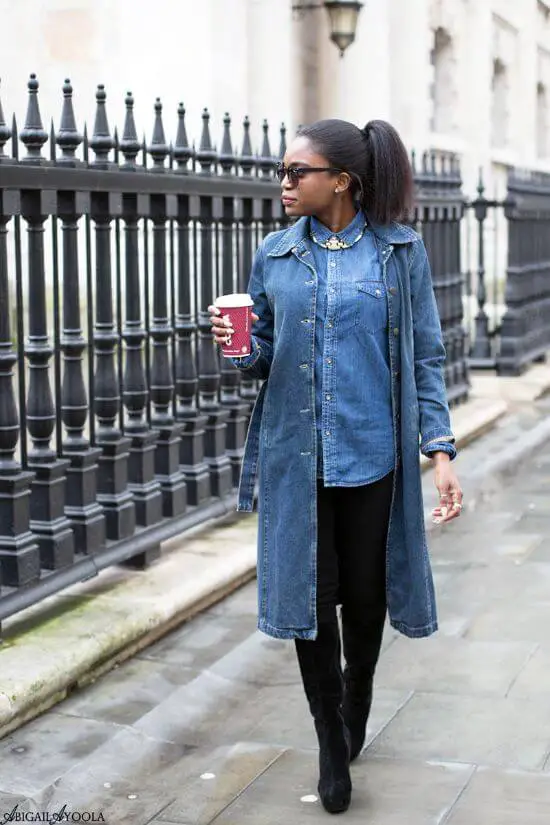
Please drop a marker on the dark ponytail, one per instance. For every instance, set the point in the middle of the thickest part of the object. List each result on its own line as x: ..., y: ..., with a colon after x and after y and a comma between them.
x: 376, y: 160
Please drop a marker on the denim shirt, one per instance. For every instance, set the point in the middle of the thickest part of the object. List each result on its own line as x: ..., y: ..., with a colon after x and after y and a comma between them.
x: 353, y: 353
x: 352, y: 372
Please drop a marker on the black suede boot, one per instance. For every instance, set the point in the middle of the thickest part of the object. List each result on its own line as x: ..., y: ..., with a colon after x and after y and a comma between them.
x: 320, y: 667
x: 361, y: 651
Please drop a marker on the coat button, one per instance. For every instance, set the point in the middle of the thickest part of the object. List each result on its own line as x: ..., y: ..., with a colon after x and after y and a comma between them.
x: 396, y: 331
x: 393, y: 290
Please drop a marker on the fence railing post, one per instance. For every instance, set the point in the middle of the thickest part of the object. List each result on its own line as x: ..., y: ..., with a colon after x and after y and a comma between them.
x: 481, y: 349
x: 209, y: 370
x: 19, y: 552
x: 167, y: 454
x: 48, y: 521
x: 81, y: 508
x: 113, y: 492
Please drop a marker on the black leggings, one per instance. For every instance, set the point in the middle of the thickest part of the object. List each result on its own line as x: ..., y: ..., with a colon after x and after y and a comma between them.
x: 351, y: 550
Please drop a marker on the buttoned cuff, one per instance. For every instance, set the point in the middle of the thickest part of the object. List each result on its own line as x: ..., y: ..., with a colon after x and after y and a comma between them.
x: 440, y: 447
x: 248, y: 361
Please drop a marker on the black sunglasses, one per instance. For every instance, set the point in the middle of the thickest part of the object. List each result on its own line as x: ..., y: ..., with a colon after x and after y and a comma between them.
x: 295, y: 173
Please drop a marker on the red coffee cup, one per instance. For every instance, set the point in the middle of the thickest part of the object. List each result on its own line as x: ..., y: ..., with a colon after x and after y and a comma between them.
x: 237, y: 309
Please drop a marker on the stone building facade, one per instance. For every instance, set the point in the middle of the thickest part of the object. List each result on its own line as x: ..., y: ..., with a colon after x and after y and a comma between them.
x: 470, y: 77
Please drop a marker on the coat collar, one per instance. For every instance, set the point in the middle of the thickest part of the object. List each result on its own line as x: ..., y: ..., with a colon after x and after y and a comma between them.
x: 295, y: 235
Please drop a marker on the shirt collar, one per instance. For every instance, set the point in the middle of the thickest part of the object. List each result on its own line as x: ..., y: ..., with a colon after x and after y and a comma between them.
x: 350, y: 234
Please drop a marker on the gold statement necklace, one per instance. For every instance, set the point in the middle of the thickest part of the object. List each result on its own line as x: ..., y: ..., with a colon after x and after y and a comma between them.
x: 334, y: 243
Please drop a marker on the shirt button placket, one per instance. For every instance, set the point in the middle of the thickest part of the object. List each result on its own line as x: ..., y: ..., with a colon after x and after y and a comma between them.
x: 330, y: 338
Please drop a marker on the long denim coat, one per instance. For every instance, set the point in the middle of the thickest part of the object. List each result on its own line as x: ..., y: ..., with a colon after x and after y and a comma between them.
x: 281, y: 446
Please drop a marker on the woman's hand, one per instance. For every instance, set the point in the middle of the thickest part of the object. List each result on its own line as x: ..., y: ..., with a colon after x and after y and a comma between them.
x: 448, y: 487
x: 222, y: 330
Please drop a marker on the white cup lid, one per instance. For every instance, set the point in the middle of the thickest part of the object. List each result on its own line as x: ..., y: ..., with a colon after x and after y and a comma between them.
x: 236, y: 299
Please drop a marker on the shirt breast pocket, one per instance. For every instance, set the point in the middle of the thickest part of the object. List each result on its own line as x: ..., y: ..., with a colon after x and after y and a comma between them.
x: 371, y: 311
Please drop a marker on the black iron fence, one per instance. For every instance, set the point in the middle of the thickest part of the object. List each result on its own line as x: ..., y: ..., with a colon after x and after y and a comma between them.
x: 120, y: 426
x: 510, y: 326
x: 438, y: 216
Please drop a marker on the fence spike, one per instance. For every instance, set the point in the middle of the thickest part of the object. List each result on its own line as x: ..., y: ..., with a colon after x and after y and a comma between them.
x: 206, y: 154
x: 85, y: 144
x: 480, y: 184
x: 68, y: 136
x: 227, y: 156
x: 182, y: 151
x: 52, y: 141
x: 33, y: 135
x: 158, y: 149
x: 129, y: 145
x: 101, y: 142
x: 247, y: 161
x: 282, y: 145
x: 266, y: 161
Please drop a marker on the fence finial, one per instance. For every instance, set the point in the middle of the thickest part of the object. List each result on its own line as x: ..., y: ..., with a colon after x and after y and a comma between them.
x: 182, y: 150
x: 206, y: 154
x: 33, y: 135
x: 129, y: 145
x: 68, y: 136
x: 266, y: 161
x: 247, y: 158
x: 158, y: 149
x: 101, y: 142
x: 227, y: 156
x: 282, y: 145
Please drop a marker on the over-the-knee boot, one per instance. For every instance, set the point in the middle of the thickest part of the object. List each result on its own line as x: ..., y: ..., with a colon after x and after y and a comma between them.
x: 362, y: 643
x: 321, y: 671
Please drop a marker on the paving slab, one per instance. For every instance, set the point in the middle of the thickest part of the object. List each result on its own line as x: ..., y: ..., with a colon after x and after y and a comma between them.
x: 231, y: 771
x: 125, y: 695
x: 40, y: 754
x: 509, y: 733
x: 533, y: 682
x: 283, y: 718
x: 454, y: 666
x: 403, y: 793
x: 116, y: 777
x: 517, y: 620
x: 503, y: 798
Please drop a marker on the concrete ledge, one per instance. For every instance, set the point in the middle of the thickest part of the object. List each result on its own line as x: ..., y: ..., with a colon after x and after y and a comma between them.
x: 69, y: 639
x: 533, y: 384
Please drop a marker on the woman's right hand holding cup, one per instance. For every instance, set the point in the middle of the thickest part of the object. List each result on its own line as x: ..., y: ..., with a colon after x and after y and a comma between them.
x: 222, y: 330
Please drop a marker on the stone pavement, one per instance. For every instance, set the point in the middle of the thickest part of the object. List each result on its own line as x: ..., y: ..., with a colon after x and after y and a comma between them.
x: 209, y: 724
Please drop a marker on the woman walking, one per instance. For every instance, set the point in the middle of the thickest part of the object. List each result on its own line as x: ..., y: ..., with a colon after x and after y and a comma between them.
x: 347, y: 340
